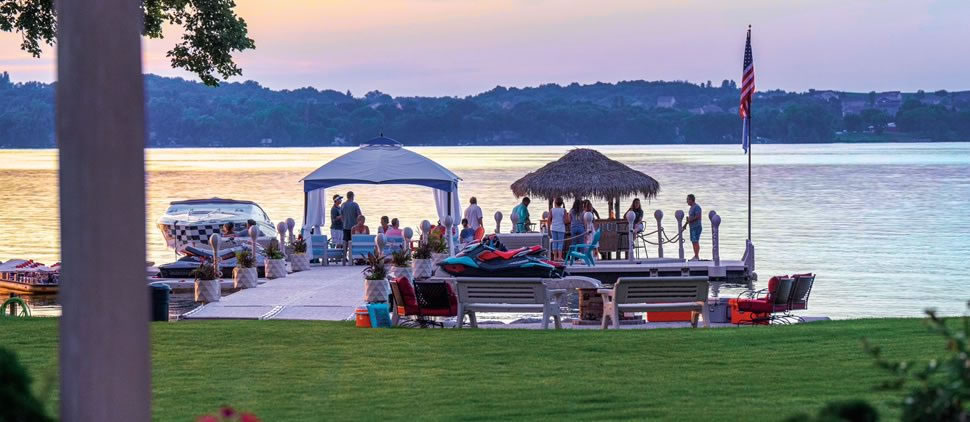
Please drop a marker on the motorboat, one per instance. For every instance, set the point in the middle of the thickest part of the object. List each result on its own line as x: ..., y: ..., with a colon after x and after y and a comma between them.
x: 187, y: 226
x: 29, y: 276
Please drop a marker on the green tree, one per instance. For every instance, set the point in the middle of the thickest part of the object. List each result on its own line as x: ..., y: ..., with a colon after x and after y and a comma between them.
x: 211, y: 31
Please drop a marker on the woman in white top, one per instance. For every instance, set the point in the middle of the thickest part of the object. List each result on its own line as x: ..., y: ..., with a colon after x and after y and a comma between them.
x: 558, y: 219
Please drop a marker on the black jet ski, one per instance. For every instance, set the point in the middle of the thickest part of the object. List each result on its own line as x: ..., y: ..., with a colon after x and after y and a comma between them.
x: 489, y: 258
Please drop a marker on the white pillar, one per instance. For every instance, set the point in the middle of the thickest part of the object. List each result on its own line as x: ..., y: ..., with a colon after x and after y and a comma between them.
x: 630, y: 216
x: 514, y: 218
x: 659, y: 215
x: 679, y: 215
x: 425, y: 231
x: 408, y: 234
x: 281, y: 230
x: 449, y: 223
x: 215, y: 241
x: 254, y: 236
x: 105, y: 361
x: 715, y: 251
x: 290, y: 224
x: 498, y: 222
x: 588, y: 220
x: 379, y: 243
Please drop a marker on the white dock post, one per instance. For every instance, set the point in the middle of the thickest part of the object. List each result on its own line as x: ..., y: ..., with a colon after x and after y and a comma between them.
x: 679, y: 215
x: 281, y: 230
x: 659, y: 215
x: 588, y: 220
x: 514, y: 218
x: 449, y: 223
x: 408, y: 234
x: 425, y: 231
x: 215, y: 241
x: 498, y: 222
x: 630, y: 216
x: 715, y: 223
x: 290, y: 224
x: 253, y: 235
x: 379, y: 242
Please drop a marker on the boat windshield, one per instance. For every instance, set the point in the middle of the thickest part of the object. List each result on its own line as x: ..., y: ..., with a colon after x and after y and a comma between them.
x: 246, y: 210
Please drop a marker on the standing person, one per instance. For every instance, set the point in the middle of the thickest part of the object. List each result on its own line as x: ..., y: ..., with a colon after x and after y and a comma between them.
x: 522, y: 211
x: 576, y: 222
x: 694, y: 221
x: 558, y: 218
x: 385, y: 224
x: 336, y: 223
x: 588, y: 206
x: 349, y: 212
x: 638, y: 212
x: 474, y: 214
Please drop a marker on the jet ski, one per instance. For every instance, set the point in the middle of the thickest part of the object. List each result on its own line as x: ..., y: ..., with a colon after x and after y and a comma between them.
x: 489, y: 258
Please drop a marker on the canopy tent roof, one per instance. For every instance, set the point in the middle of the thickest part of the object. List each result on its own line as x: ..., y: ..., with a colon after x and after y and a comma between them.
x: 583, y: 173
x: 381, y: 161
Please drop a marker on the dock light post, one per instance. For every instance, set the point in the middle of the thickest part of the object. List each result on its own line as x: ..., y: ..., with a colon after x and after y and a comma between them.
x: 659, y: 215
x: 281, y: 230
x: 449, y: 223
x: 679, y: 215
x: 715, y: 251
x: 514, y: 218
x: 630, y: 217
x: 290, y: 224
x: 215, y: 241
x: 425, y: 231
x: 408, y: 234
x: 498, y: 222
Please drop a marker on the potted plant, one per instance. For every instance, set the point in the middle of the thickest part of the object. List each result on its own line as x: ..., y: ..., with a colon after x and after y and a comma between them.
x: 299, y: 260
x: 421, y: 264
x: 207, y: 287
x: 244, y: 275
x: 376, y: 288
x: 439, y: 249
x: 401, y: 264
x: 275, y: 260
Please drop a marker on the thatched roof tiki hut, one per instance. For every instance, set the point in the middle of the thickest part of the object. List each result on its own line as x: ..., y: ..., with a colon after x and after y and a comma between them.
x: 586, y: 173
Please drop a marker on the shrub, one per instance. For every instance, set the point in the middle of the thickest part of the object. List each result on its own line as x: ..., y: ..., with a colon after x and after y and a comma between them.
x: 299, y: 245
x: 206, y: 271
x: 273, y: 250
x: 423, y: 251
x: 17, y: 403
x: 245, y: 259
x: 401, y: 258
x: 437, y: 244
x: 374, y: 267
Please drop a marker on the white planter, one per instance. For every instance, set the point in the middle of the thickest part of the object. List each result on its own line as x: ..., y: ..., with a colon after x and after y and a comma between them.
x: 398, y: 272
x: 275, y: 268
x: 207, y: 291
x: 376, y: 290
x: 421, y: 268
x: 244, y: 278
x: 300, y: 262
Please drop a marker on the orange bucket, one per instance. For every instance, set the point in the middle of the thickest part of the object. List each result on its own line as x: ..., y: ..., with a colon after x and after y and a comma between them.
x: 363, y: 317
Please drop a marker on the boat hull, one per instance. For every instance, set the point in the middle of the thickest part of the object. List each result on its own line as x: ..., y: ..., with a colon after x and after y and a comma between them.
x: 29, y: 288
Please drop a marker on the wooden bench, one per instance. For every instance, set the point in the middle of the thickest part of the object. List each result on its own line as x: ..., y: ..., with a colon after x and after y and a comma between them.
x: 641, y: 294
x: 480, y: 294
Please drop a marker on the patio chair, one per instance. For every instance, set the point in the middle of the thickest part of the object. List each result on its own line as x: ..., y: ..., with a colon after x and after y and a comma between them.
x: 761, y: 307
x: 587, y: 250
x: 802, y: 288
x: 361, y: 245
x: 422, y: 303
x: 322, y: 250
x: 393, y: 244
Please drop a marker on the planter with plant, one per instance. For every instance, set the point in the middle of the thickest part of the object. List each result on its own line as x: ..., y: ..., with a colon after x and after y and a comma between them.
x: 299, y: 260
x: 376, y: 287
x: 439, y: 250
x: 207, y: 287
x: 244, y: 275
x: 275, y: 264
x: 421, y: 264
x: 401, y: 264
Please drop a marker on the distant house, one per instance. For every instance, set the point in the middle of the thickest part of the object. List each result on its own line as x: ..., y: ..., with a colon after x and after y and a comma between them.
x: 666, y: 102
x: 889, y: 102
x: 825, y: 95
x: 934, y: 100
x: 853, y: 106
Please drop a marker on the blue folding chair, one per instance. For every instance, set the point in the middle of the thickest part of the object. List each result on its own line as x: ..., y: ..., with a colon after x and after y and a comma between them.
x: 587, y: 251
x: 362, y: 245
x: 321, y: 249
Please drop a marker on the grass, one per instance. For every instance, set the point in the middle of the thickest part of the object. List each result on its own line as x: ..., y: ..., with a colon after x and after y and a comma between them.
x: 288, y: 370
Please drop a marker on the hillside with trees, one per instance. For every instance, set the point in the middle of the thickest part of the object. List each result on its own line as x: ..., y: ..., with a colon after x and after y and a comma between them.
x: 183, y: 113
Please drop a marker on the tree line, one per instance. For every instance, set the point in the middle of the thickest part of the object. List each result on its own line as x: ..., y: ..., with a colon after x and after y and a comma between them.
x: 186, y: 113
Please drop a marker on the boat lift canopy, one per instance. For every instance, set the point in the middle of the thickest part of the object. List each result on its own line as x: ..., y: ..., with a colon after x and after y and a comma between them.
x: 380, y: 161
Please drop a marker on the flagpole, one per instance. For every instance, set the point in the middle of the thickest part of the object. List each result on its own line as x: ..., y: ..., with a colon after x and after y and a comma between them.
x: 750, y: 144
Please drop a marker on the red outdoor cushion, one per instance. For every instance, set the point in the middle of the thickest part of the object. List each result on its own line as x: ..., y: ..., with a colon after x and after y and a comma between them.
x: 755, y: 305
x: 407, y: 294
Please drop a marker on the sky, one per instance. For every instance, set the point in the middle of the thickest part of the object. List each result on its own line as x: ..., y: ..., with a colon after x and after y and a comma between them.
x: 463, y: 47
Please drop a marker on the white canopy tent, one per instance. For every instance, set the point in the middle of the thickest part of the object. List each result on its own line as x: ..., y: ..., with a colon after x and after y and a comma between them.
x: 380, y: 161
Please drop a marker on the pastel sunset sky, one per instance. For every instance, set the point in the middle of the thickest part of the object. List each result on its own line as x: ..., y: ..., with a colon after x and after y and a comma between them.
x: 461, y: 47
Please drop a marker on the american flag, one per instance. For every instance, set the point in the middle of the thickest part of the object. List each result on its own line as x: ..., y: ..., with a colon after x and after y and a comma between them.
x: 747, y: 91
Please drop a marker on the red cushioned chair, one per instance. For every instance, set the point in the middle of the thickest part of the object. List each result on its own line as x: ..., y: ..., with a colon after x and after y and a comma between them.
x: 759, y: 307
x: 430, y: 300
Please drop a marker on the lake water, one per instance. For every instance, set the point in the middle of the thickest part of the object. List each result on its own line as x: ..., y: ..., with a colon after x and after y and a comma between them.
x: 885, y: 226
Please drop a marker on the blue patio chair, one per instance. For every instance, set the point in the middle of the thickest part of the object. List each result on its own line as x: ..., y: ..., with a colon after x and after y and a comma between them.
x: 361, y: 245
x: 322, y: 250
x: 584, y: 251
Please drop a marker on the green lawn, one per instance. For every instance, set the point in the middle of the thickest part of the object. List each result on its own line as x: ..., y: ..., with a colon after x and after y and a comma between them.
x: 285, y: 370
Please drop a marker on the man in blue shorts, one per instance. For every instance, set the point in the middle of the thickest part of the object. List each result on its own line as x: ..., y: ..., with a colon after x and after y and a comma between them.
x: 694, y: 222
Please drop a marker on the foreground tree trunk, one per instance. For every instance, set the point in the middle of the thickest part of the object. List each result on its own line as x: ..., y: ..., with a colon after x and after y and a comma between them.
x: 104, y: 340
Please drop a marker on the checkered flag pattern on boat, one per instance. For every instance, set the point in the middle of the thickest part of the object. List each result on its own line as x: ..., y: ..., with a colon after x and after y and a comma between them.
x: 187, y: 234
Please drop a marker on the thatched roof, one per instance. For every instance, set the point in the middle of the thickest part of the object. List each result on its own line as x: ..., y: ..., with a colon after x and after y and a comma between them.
x: 586, y: 173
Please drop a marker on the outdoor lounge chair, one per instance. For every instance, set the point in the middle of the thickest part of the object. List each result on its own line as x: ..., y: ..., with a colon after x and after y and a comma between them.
x: 515, y: 295
x: 763, y: 306
x: 665, y: 294
x: 583, y: 251
x: 428, y: 300
x: 801, y: 289
x: 322, y: 250
x: 361, y: 245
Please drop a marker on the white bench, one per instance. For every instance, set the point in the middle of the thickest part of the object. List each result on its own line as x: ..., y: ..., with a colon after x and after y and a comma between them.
x: 640, y: 294
x: 480, y: 294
